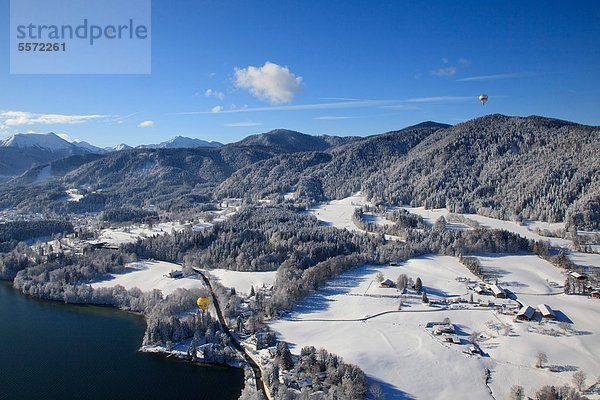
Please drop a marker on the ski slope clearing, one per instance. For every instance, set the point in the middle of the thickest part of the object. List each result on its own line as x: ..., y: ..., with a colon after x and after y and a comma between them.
x: 526, y: 230
x: 117, y: 236
x: 44, y: 174
x: 338, y: 213
x: 242, y: 281
x: 397, y: 350
x: 148, y: 275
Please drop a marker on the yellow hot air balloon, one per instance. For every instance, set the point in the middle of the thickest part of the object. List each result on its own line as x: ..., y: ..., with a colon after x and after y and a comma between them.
x: 483, y: 98
x: 203, y: 302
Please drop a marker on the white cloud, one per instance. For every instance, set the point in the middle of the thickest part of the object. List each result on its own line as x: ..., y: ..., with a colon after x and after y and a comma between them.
x: 316, y: 106
x: 439, y: 99
x: 445, y: 60
x: 16, y: 118
x: 243, y: 124
x: 388, y: 104
x: 270, y: 82
x: 464, y: 61
x: 493, y: 77
x: 146, y: 124
x: 442, y: 72
x: 340, y: 98
x: 215, y: 93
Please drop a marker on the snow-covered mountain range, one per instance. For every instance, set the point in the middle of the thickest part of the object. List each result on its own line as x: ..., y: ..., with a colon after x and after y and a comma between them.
x: 22, y: 151
x: 53, y: 142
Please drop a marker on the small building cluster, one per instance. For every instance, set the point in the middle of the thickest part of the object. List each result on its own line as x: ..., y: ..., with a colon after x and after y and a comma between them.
x: 581, y: 283
x: 527, y: 313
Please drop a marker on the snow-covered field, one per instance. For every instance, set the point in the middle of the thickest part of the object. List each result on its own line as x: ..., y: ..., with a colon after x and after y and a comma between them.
x: 585, y: 259
x: 338, y: 213
x: 127, y: 235
x: 73, y: 195
x: 242, y: 281
x: 397, y: 351
x: 525, y: 230
x: 148, y: 275
x: 523, y: 273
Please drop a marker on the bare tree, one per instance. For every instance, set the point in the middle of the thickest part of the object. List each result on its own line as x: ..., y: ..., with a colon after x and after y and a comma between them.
x: 376, y: 392
x: 579, y: 380
x: 474, y: 337
x: 401, y: 282
x: 517, y: 392
x: 540, y: 359
x: 564, y: 326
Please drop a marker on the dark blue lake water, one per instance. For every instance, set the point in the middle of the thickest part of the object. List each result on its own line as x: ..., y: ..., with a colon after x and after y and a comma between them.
x: 50, y: 350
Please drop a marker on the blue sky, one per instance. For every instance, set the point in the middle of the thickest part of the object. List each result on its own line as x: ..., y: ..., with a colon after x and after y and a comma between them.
x: 222, y: 70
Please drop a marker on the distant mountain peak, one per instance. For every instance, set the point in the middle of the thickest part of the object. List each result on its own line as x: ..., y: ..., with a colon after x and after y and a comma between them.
x: 45, y: 141
x: 120, y: 147
x: 289, y: 141
x: 182, y: 142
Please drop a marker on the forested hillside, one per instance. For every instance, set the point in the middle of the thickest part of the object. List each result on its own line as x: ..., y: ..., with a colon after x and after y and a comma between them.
x: 333, y: 174
x: 504, y: 167
x: 169, y: 178
x: 500, y: 166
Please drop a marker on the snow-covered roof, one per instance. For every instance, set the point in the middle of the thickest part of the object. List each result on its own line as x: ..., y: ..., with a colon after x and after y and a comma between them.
x: 526, y: 311
x: 546, y: 310
x: 496, y: 290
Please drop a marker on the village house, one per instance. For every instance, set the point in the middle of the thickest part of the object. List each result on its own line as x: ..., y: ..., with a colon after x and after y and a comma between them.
x: 498, y: 292
x: 446, y: 328
x: 387, y: 283
x: 578, y: 276
x: 176, y: 274
x: 479, y: 289
x: 452, y: 339
x: 546, y: 311
x: 526, y: 313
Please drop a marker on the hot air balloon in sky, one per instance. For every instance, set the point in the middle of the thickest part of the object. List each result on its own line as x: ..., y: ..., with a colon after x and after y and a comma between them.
x: 203, y: 302
x: 483, y: 98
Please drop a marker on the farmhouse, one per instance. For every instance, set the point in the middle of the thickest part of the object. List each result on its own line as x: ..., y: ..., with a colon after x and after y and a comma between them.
x: 176, y: 274
x: 479, y: 290
x: 387, y: 283
x: 578, y: 276
x: 596, y: 294
x: 446, y: 328
x: 452, y: 339
x: 546, y: 311
x: 526, y: 313
x: 498, y: 292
